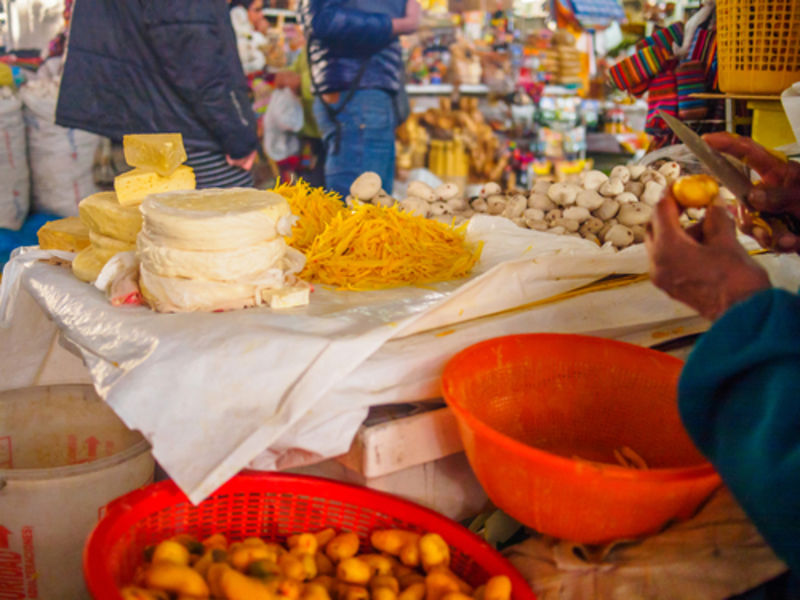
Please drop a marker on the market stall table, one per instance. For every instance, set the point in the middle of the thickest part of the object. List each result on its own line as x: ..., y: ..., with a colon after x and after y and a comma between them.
x: 214, y: 393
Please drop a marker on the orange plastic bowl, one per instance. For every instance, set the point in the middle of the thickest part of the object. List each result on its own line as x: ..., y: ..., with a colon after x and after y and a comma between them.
x: 540, y: 417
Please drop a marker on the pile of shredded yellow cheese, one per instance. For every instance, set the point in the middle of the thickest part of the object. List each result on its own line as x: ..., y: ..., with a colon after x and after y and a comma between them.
x: 313, y: 206
x: 376, y: 247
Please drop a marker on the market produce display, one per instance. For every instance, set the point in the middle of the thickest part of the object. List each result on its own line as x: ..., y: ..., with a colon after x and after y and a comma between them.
x: 606, y: 209
x: 325, y: 565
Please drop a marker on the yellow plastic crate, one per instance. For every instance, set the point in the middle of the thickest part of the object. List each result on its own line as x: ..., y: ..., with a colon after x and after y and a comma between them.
x: 758, y: 45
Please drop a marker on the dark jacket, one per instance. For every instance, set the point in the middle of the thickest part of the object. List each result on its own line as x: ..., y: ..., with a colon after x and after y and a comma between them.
x: 345, y: 33
x: 157, y: 66
x: 739, y: 398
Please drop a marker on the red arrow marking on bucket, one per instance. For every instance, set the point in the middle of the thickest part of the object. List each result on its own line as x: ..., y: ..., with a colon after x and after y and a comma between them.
x: 92, y: 443
x: 4, y: 537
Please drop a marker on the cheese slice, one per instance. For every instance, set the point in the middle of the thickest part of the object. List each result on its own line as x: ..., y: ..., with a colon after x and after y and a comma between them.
x: 213, y: 219
x: 159, y: 152
x: 108, y: 244
x: 68, y: 234
x: 218, y: 265
x: 134, y: 186
x: 102, y: 214
x: 88, y: 263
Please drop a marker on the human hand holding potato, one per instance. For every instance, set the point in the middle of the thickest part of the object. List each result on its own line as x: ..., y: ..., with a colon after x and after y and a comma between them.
x: 778, y: 193
x: 705, y: 268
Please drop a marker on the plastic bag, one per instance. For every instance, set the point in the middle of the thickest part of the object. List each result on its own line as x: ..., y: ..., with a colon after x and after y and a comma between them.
x: 15, y: 191
x: 60, y: 159
x: 282, y: 121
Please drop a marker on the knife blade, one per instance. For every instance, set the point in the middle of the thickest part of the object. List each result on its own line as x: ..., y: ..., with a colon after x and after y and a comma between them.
x: 716, y: 164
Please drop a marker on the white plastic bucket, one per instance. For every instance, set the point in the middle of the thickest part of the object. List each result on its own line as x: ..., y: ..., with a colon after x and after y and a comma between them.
x: 64, y: 455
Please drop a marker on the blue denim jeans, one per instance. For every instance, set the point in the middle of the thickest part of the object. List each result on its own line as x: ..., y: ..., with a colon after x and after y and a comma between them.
x: 366, y: 140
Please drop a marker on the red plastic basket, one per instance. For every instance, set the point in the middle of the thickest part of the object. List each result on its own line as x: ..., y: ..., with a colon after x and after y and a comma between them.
x: 272, y: 506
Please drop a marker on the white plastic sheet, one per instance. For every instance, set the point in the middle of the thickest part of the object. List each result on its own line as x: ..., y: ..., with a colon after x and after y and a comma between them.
x: 216, y: 392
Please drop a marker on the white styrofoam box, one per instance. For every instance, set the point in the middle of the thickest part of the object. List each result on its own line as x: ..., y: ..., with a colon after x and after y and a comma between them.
x: 387, y: 447
x: 447, y: 485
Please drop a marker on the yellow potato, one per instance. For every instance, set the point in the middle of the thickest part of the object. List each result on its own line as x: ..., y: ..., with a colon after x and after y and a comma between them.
x: 236, y: 586
x: 354, y: 570
x: 315, y: 591
x: 171, y: 551
x: 433, y: 551
x: 241, y: 556
x: 177, y: 579
x: 324, y: 564
x: 384, y: 593
x: 415, y: 591
x: 438, y: 585
x: 379, y: 564
x: 695, y: 191
x: 498, y: 588
x: 325, y: 536
x: 292, y: 567
x: 379, y: 581
x: 393, y: 540
x: 344, y: 545
x: 303, y: 543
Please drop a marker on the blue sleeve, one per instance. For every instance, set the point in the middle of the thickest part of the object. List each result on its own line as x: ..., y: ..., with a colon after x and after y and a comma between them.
x: 739, y: 398
x: 190, y: 43
x: 349, y: 32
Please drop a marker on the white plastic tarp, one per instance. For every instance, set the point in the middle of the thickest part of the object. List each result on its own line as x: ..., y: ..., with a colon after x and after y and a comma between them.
x: 212, y: 391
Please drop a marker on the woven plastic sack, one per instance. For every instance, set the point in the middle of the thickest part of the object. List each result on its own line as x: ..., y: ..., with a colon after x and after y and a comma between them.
x: 60, y: 159
x: 15, y: 191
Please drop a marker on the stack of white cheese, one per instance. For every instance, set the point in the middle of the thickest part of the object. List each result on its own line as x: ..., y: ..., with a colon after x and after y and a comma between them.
x: 218, y: 249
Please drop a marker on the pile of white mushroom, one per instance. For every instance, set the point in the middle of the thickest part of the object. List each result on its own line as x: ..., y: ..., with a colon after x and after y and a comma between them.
x: 606, y: 209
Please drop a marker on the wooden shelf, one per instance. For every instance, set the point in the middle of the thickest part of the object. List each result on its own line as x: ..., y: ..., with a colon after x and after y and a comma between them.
x: 735, y: 97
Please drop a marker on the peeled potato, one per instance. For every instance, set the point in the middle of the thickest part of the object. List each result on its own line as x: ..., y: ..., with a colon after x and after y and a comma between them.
x: 694, y: 191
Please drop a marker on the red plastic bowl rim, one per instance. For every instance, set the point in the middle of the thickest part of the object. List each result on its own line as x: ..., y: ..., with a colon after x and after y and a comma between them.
x: 531, y: 453
x: 144, y: 501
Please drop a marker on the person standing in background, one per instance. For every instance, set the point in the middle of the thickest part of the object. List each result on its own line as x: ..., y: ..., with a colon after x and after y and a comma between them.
x: 162, y: 66
x: 356, y: 73
x: 250, y: 26
x: 298, y: 79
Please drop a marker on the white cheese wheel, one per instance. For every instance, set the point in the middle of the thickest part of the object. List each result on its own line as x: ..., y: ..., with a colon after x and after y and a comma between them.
x: 216, y: 265
x: 179, y: 294
x: 213, y: 219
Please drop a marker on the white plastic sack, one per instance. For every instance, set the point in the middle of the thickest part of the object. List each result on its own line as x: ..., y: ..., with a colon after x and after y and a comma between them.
x: 282, y: 121
x: 15, y: 191
x: 60, y: 159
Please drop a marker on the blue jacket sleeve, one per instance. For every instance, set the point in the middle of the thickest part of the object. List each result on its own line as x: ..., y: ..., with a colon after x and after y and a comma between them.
x: 739, y: 398
x: 349, y: 32
x: 197, y: 53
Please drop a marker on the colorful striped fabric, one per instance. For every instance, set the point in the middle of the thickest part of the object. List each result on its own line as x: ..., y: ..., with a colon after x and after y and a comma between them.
x: 663, y: 95
x: 634, y: 73
x: 691, y: 79
x: 664, y: 37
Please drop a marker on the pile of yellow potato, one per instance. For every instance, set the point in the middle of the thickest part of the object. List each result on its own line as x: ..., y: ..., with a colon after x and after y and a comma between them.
x: 325, y: 565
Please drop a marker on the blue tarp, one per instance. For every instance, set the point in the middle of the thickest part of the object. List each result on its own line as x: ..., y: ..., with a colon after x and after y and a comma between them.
x: 26, y: 236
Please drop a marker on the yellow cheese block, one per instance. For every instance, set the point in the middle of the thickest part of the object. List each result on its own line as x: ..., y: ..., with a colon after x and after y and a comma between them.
x: 134, y: 186
x: 159, y: 152
x: 69, y: 234
x: 102, y: 214
x: 88, y: 263
x: 105, y: 243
